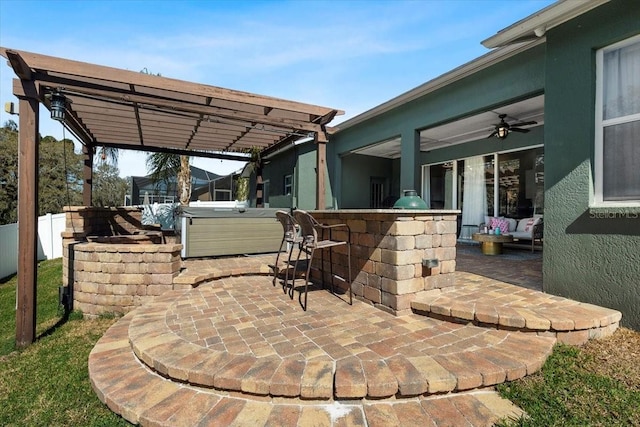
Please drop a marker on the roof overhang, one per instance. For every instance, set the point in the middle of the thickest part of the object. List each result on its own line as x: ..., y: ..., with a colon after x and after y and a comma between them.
x: 536, y: 25
x: 130, y: 110
x: 452, y: 76
x: 521, y: 36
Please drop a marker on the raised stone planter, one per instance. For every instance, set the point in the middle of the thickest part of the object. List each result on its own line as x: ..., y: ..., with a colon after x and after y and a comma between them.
x: 116, y: 278
x: 111, y: 264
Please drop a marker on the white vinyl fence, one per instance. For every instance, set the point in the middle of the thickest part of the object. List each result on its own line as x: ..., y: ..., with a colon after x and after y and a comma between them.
x: 50, y: 228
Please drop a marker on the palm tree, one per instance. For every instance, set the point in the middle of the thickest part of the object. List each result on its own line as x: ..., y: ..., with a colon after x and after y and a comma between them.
x: 164, y: 166
x: 108, y: 155
x: 254, y: 165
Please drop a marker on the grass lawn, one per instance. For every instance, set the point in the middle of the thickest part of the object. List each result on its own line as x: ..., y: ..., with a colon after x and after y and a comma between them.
x: 596, y: 385
x: 47, y: 384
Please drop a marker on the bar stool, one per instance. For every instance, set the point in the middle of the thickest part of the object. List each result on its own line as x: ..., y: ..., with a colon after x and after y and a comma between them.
x: 290, y: 236
x: 309, y: 228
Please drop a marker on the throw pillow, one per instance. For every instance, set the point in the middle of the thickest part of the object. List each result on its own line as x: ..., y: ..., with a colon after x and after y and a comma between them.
x: 500, y: 223
x: 530, y: 224
x: 493, y: 223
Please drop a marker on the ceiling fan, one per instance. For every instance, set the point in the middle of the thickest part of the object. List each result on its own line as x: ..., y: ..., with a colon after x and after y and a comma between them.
x: 503, y: 128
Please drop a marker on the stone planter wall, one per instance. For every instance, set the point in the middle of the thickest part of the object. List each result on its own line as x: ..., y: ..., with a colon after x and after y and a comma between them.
x: 84, y: 221
x: 387, y: 252
x: 114, y: 277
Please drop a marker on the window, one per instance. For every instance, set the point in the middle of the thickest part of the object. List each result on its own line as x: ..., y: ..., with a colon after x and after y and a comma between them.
x: 617, y: 141
x: 521, y: 183
x: 288, y: 184
x: 266, y: 190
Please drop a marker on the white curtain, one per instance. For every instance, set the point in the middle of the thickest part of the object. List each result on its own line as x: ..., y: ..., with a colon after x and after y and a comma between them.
x: 621, y: 150
x: 474, y: 196
x: 621, y: 82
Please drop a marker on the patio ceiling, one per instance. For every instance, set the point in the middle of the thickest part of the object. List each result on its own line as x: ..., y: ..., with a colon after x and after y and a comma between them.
x: 131, y: 110
x: 475, y: 127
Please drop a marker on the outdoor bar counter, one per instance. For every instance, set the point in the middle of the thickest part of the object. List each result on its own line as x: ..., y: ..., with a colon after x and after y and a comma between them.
x: 395, y: 254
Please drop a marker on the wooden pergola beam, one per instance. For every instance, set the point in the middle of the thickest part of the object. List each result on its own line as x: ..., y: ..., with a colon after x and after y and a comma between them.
x: 209, y: 155
x: 321, y: 165
x: 20, y: 67
x: 71, y: 122
x: 172, y: 106
x: 109, y: 74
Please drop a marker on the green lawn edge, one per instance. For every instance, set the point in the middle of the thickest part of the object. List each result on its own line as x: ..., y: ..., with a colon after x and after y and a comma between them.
x: 564, y: 393
x: 47, y: 383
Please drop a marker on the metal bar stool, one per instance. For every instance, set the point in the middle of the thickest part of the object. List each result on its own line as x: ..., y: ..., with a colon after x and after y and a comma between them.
x: 311, y: 242
x: 290, y: 236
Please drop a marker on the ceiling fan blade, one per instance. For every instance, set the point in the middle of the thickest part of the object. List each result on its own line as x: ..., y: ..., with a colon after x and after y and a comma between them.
x: 524, y: 124
x: 512, y: 129
x: 494, y: 133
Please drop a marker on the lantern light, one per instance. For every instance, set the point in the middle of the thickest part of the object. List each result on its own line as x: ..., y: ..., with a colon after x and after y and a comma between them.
x: 58, y: 106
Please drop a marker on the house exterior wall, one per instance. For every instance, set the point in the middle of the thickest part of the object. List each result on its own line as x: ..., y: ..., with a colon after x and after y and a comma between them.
x: 279, y: 166
x: 299, y: 161
x: 515, y: 78
x: 356, y: 175
x: 591, y: 255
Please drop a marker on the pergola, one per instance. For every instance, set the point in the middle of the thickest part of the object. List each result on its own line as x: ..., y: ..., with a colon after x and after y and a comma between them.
x: 110, y: 107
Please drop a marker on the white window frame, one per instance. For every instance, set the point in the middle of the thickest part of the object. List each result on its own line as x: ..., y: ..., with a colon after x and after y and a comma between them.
x: 426, y: 183
x: 600, y: 124
x: 266, y: 184
x: 288, y: 184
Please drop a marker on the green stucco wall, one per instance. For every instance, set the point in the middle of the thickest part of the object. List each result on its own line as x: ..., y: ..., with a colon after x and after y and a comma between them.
x: 515, y: 78
x: 275, y: 169
x: 356, y: 174
x: 589, y: 255
x: 300, y: 161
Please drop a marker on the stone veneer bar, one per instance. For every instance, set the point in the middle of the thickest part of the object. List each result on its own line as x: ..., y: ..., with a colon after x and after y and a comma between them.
x: 388, y: 247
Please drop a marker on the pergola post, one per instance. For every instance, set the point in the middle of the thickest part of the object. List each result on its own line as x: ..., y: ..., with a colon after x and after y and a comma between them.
x: 27, y: 216
x: 87, y: 175
x: 321, y: 163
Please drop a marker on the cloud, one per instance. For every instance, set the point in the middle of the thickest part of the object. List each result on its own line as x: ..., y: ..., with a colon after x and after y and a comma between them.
x: 350, y: 55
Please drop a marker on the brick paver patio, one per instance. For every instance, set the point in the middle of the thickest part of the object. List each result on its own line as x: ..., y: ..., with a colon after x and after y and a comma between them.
x: 235, y: 350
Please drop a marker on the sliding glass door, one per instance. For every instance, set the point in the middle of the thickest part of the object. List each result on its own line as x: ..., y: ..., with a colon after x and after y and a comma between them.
x: 470, y: 185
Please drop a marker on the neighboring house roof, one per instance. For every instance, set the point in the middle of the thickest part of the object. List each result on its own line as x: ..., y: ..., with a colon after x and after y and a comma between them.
x: 200, y: 176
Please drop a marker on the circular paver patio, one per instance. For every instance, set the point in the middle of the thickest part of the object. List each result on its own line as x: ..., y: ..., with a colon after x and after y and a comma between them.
x: 244, y: 334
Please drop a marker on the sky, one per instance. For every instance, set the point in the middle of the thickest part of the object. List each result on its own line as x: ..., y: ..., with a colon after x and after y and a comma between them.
x: 347, y: 55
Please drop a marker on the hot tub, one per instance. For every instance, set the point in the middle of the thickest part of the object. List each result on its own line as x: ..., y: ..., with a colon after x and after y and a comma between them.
x: 209, y: 231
